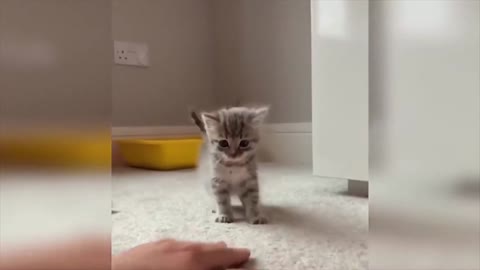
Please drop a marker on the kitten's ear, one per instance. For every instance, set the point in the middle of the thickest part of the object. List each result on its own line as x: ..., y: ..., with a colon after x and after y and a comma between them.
x: 259, y: 115
x: 210, y: 119
x: 197, y: 121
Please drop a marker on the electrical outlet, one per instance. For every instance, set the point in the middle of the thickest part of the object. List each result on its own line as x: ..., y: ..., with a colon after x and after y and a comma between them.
x: 130, y: 53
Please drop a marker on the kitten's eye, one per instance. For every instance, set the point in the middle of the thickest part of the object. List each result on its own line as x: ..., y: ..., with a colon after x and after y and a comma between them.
x: 223, y: 143
x: 244, y: 143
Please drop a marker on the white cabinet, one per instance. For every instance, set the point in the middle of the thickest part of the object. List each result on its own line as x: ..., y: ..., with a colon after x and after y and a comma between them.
x: 340, y: 88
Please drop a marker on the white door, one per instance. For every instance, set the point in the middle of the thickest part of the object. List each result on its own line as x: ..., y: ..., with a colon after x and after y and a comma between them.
x: 340, y: 88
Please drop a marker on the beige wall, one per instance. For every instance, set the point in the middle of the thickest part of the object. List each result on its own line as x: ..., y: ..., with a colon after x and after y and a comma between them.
x: 208, y: 53
x: 180, y: 76
x: 55, y: 61
x: 263, y: 56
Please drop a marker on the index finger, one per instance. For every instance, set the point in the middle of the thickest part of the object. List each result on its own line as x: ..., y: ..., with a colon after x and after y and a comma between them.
x: 224, y: 257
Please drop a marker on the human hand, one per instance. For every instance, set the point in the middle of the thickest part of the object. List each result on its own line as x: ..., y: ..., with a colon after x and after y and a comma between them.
x: 177, y: 255
x: 86, y: 252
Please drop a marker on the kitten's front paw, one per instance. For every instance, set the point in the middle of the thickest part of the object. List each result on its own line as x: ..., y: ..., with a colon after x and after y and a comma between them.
x: 223, y: 219
x: 258, y: 220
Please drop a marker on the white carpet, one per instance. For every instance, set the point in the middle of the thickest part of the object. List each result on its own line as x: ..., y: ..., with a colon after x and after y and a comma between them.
x: 313, y: 225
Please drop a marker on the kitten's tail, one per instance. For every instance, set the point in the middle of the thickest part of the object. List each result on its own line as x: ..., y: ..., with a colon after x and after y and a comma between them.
x: 196, y: 119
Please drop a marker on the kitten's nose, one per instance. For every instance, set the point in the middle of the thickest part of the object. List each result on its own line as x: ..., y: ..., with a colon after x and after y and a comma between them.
x: 234, y: 153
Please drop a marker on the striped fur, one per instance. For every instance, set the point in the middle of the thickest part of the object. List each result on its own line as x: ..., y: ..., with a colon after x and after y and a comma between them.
x: 233, y: 136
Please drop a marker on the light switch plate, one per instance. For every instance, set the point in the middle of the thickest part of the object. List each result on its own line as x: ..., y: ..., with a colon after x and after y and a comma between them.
x: 131, y: 53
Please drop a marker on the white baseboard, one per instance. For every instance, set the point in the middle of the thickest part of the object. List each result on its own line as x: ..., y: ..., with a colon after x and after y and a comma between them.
x: 284, y: 143
x: 287, y: 143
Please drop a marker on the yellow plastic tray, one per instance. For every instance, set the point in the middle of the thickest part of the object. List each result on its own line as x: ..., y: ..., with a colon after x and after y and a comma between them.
x: 161, y: 154
x: 64, y: 149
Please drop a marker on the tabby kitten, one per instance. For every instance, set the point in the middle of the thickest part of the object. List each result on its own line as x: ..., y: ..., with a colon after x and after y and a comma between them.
x: 233, y: 135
